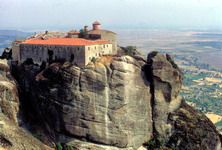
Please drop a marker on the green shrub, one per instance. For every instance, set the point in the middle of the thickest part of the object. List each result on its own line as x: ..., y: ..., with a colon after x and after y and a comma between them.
x: 130, y: 50
x: 59, y: 146
x: 93, y: 60
x: 38, y: 136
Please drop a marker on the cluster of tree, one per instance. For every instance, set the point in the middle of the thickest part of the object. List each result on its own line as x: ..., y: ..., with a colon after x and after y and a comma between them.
x: 130, y: 50
x: 83, y: 34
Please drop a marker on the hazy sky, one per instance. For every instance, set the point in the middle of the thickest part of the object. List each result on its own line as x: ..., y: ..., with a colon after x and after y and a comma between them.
x: 68, y: 14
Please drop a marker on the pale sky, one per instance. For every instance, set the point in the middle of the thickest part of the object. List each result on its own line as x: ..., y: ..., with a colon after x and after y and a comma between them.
x: 112, y: 14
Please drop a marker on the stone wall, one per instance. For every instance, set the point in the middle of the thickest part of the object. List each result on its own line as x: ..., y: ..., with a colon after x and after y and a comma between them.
x: 15, y: 51
x: 80, y: 55
x: 105, y: 35
x: 112, y: 38
x: 96, y: 51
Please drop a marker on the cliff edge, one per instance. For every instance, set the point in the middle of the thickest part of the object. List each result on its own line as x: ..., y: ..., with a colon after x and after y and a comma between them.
x: 122, y: 102
x: 12, y: 137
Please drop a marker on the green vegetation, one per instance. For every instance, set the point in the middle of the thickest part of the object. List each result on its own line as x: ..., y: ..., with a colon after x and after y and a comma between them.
x: 60, y: 146
x: 130, y: 50
x: 205, y: 95
x: 38, y: 136
x: 93, y: 60
x: 83, y: 34
x: 158, y: 144
x: 219, y: 123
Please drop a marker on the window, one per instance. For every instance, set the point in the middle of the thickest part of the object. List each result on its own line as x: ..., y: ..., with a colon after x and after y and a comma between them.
x: 35, y: 46
x: 67, y: 47
x: 89, y: 48
x: 96, y: 54
x: 89, y: 58
x: 78, y: 48
x: 104, y: 46
x: 72, y: 57
x: 60, y: 48
x: 95, y: 47
x: 107, y: 45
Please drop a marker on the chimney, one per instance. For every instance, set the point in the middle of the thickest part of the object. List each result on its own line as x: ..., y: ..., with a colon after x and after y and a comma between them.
x: 86, y: 28
x: 96, y: 25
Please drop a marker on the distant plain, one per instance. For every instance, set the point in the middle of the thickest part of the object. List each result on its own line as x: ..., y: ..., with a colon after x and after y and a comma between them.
x: 204, y: 45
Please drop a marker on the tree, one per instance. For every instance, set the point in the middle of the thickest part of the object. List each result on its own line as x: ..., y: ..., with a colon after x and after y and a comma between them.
x: 83, y: 34
x: 130, y: 50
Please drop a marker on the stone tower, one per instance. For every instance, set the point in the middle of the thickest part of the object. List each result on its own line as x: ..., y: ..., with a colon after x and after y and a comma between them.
x: 96, y: 25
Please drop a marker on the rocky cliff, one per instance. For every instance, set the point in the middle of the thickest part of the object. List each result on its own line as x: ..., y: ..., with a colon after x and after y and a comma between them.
x: 11, y: 136
x: 120, y: 102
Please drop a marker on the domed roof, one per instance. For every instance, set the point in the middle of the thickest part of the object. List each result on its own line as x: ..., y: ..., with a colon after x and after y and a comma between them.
x: 96, y: 23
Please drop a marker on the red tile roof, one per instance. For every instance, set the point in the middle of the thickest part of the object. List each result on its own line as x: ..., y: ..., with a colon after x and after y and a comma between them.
x: 73, y: 31
x: 96, y: 22
x: 66, y: 41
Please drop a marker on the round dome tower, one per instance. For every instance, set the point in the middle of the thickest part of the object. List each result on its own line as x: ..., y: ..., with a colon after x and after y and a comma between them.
x: 96, y: 25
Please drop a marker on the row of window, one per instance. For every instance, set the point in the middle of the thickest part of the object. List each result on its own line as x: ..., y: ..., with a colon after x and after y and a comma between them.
x: 50, y: 47
x: 104, y: 46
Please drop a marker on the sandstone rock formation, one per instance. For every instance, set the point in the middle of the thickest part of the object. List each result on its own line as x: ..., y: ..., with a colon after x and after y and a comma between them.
x: 108, y: 104
x: 166, y: 81
x: 117, y: 104
x: 11, y: 136
x: 9, y: 101
x: 192, y: 130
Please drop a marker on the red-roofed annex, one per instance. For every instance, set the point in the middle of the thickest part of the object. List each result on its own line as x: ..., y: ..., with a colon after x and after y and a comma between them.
x: 76, y: 50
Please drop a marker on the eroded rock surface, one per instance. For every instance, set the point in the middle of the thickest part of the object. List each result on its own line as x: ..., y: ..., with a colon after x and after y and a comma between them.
x: 9, y: 101
x: 14, y: 138
x: 119, y: 104
x: 11, y: 136
x: 108, y: 104
x: 193, y: 130
x: 166, y: 81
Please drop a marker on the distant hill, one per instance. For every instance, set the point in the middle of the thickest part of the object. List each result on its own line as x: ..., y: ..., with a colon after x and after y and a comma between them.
x: 7, y: 36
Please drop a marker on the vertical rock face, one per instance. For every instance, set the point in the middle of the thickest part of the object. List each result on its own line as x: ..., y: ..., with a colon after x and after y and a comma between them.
x: 192, y: 130
x: 166, y: 81
x: 107, y: 104
x: 11, y: 136
x: 120, y: 104
x: 9, y: 101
